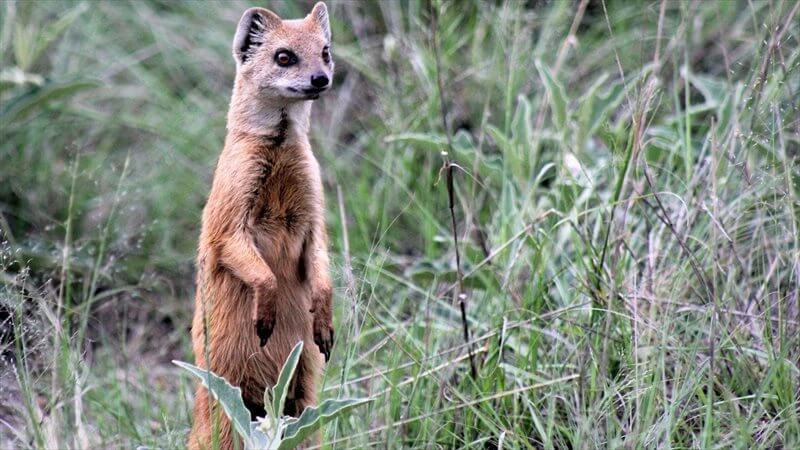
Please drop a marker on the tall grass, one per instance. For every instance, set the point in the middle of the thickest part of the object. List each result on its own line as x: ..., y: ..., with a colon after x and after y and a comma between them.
x: 625, y: 193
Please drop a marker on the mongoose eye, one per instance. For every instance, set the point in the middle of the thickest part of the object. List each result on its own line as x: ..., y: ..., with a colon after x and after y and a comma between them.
x: 285, y: 58
x: 326, y: 55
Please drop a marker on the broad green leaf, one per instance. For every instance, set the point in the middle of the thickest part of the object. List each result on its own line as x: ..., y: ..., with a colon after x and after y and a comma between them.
x: 24, y: 45
x: 462, y: 141
x: 434, y: 141
x: 53, y: 30
x: 31, y: 40
x: 714, y: 90
x: 285, y: 378
x: 727, y: 108
x: 521, y: 124
x: 313, y: 418
x: 499, y: 138
x: 663, y: 137
x: 37, y: 97
x: 595, y: 107
x: 229, y: 397
x: 558, y: 98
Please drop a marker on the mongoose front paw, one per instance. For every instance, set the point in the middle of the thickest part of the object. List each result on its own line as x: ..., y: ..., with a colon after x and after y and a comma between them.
x: 263, y: 315
x: 264, y: 329
x: 323, y: 337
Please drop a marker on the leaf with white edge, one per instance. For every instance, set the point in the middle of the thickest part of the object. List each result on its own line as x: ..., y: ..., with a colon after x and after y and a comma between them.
x: 713, y: 89
x: 314, y: 418
x: 558, y: 98
x: 499, y: 137
x: 229, y: 397
x: 521, y: 124
x: 596, y: 106
x: 285, y: 378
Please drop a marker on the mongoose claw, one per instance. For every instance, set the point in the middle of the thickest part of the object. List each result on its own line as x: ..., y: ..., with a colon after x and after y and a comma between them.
x: 263, y: 314
x: 264, y: 329
x: 323, y: 337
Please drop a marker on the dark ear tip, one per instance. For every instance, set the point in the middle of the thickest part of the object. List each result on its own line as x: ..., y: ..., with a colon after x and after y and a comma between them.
x: 264, y: 14
x: 254, y: 22
x: 248, y: 14
x: 254, y: 10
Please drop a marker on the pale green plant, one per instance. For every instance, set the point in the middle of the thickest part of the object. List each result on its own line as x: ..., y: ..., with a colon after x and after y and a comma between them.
x: 275, y: 431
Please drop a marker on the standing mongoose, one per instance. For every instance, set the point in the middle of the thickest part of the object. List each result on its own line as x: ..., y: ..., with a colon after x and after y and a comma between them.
x: 262, y: 264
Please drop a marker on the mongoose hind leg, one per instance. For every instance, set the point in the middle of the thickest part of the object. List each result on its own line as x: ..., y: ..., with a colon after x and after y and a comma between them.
x: 202, y: 436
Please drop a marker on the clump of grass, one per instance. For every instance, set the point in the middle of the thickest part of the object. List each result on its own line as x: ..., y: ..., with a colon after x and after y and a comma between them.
x: 626, y: 213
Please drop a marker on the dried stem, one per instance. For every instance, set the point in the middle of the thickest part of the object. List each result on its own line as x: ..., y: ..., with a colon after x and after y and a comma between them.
x: 448, y: 167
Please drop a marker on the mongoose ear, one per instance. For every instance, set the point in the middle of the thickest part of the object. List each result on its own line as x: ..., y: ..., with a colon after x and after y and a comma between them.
x: 320, y: 15
x: 251, y: 32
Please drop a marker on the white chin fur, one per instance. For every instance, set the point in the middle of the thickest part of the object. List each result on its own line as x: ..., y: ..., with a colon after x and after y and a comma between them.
x: 300, y: 95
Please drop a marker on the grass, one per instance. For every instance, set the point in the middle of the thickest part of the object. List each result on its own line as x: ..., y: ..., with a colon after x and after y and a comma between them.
x: 625, y: 189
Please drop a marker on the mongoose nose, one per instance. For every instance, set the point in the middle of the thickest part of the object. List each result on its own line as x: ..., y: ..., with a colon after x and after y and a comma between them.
x: 319, y: 80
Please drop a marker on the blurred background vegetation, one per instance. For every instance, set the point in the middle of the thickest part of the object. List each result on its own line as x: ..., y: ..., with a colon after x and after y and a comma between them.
x: 626, y: 202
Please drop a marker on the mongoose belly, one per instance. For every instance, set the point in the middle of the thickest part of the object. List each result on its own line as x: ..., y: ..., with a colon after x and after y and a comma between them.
x: 234, y: 349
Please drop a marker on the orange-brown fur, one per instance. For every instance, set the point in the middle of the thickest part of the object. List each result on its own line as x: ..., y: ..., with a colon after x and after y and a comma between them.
x: 262, y: 260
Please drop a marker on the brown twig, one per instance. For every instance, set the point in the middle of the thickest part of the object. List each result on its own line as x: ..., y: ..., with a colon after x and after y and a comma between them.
x: 448, y: 167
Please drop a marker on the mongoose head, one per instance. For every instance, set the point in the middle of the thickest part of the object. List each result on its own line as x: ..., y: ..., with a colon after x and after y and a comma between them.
x: 285, y: 60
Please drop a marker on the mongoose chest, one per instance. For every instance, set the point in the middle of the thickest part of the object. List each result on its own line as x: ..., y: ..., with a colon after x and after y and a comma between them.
x: 284, y: 202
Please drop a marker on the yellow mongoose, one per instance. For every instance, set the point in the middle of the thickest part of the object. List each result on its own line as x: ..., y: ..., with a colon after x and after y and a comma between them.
x: 263, y: 282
